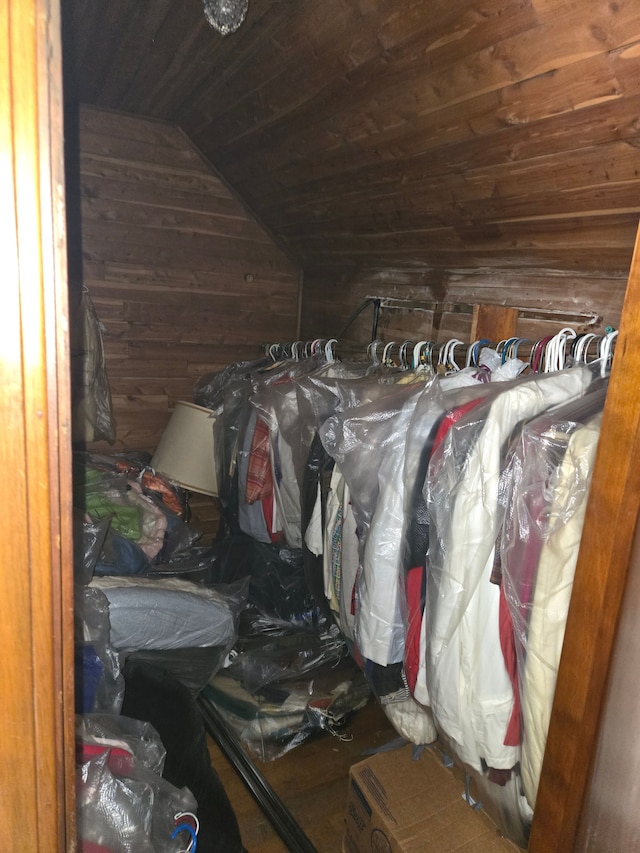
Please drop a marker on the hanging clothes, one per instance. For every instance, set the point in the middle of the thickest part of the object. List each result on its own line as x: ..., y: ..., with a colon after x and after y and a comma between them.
x: 547, y: 496
x: 456, y: 404
x: 251, y: 513
x: 368, y: 444
x: 469, y: 687
x: 392, y: 483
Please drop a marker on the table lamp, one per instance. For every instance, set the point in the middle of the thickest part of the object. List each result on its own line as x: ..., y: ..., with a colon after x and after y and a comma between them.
x: 185, y: 454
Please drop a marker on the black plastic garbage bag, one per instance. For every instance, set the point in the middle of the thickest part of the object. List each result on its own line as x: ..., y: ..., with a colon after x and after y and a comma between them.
x: 156, y: 696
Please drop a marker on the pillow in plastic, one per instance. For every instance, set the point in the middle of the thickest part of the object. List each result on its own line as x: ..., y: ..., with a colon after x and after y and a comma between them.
x: 166, y: 613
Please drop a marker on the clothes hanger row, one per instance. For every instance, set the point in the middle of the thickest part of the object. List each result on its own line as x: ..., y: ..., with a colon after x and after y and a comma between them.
x: 546, y: 355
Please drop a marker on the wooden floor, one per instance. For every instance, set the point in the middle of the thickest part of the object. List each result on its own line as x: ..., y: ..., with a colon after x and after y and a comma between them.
x: 311, y: 780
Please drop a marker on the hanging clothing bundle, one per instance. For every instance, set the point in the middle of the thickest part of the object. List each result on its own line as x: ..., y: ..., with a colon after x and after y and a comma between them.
x: 439, y: 510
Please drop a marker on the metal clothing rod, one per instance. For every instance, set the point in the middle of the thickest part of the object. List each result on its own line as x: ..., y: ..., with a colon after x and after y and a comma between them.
x: 587, y: 319
x: 371, y: 300
x: 278, y: 814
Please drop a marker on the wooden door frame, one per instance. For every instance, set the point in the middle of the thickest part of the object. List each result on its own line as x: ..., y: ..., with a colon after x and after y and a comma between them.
x: 36, y: 555
x: 598, y: 589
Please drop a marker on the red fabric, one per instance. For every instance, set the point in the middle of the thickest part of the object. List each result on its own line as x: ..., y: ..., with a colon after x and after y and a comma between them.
x: 415, y: 606
x: 513, y: 736
x: 119, y: 760
x: 93, y: 847
x: 415, y: 576
x: 259, y: 479
x: 452, y: 418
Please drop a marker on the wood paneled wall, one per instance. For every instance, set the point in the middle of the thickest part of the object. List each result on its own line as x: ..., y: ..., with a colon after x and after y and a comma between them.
x: 546, y: 302
x: 182, y: 277
x: 397, y: 134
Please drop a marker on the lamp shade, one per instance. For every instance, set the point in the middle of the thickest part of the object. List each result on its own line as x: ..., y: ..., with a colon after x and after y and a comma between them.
x: 185, y: 453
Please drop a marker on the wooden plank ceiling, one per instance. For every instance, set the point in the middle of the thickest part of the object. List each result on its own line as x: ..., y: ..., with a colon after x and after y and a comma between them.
x: 398, y: 134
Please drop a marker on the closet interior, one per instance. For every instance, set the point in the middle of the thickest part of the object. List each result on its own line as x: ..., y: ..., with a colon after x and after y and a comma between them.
x: 386, y: 257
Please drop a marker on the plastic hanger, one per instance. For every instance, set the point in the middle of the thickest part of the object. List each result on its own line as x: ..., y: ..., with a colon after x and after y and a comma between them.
x: 556, y: 349
x: 386, y: 351
x: 404, y: 364
x: 416, y: 361
x: 516, y: 346
x: 506, y: 349
x: 582, y: 343
x: 606, y: 352
x: 372, y: 352
x: 328, y: 350
x: 428, y: 353
x: 187, y: 822
x: 473, y: 352
x: 537, y: 351
x: 449, y: 355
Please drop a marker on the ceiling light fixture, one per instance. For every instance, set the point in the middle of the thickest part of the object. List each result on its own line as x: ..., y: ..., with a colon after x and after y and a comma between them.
x: 225, y: 16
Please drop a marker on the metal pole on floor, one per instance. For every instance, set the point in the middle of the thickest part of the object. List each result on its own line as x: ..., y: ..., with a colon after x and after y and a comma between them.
x: 278, y: 814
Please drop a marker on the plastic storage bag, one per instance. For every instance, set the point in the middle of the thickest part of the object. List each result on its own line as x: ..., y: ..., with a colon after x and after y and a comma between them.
x: 135, y: 736
x: 297, y: 684
x: 92, y: 408
x: 167, y: 613
x: 122, y: 804
x: 99, y: 684
x: 546, y: 489
x: 277, y: 588
x: 469, y: 687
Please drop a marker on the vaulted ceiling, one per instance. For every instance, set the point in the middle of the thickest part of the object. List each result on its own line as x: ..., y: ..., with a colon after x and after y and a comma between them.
x: 396, y: 133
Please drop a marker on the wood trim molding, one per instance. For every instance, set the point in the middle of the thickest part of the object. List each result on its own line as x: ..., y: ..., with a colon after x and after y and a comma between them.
x: 601, y: 571
x: 36, y: 633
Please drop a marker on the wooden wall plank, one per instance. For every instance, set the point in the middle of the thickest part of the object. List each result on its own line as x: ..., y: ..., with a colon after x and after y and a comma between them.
x: 593, y: 301
x: 403, y: 116
x: 562, y: 94
x: 193, y: 180
x: 494, y: 322
x: 182, y: 277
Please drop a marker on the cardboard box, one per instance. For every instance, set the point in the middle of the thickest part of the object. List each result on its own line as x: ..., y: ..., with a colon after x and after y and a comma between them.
x: 398, y: 805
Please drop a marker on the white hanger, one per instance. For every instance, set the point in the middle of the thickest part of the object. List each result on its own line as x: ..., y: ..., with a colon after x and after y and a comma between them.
x: 450, y: 354
x: 415, y: 362
x: 606, y: 352
x: 328, y: 350
x: 386, y: 350
x: 404, y: 364
x: 582, y: 346
x: 555, y: 350
x: 372, y: 352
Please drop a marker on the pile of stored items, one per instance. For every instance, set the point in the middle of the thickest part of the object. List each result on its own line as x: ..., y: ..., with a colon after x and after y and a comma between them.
x: 147, y: 640
x: 161, y: 620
